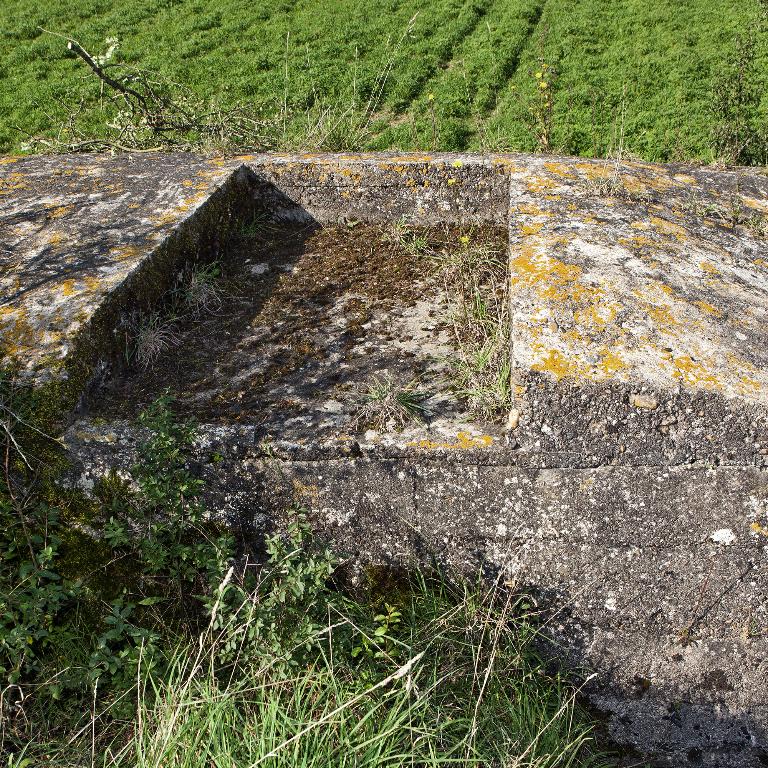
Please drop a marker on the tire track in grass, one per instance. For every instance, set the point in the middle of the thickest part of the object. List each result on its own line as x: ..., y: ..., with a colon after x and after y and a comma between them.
x: 462, y: 26
x: 505, y: 94
x: 505, y: 69
x: 464, y: 90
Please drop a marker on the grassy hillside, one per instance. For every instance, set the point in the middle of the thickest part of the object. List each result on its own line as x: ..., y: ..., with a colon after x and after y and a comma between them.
x: 460, y: 75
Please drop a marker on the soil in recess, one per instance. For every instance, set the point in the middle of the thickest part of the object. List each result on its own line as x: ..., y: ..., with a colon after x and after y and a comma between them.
x: 307, y: 315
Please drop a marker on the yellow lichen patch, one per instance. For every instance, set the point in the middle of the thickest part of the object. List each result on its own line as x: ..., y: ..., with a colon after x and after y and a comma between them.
x: 684, y: 178
x: 18, y: 333
x: 634, y: 185
x: 746, y: 374
x: 558, y: 365
x: 669, y: 228
x: 599, y: 313
x: 12, y: 182
x: 751, y: 202
x: 759, y: 529
x: 531, y: 209
x: 538, y: 184
x: 594, y: 171
x: 531, y: 228
x: 68, y: 287
x: 166, y: 218
x: 125, y: 252
x: 761, y: 263
x: 464, y: 441
x: 710, y: 269
x: 662, y: 316
x: 413, y: 158
x: 636, y: 242
x: 59, y: 211
x: 303, y: 491
x: 694, y: 373
x: 708, y: 308
x: 505, y: 163
x: 559, y: 169
x: 611, y: 362
x: 532, y: 267
x: 663, y: 287
x: 8, y: 160
x: 56, y: 238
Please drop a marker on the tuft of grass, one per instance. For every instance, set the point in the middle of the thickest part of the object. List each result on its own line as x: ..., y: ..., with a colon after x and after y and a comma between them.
x: 475, y: 277
x: 411, y: 239
x: 385, y: 404
x: 731, y: 214
x: 153, y: 336
x: 200, y: 290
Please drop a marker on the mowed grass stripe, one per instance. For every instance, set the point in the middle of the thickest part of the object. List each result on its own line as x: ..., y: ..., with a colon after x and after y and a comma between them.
x: 464, y: 91
x: 660, y: 59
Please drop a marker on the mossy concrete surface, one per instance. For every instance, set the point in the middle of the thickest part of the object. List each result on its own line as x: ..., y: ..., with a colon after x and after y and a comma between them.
x: 85, y: 240
x: 627, y: 486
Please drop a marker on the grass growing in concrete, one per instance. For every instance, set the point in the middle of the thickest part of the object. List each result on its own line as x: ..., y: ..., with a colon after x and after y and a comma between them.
x: 385, y: 404
x: 474, y: 274
x: 446, y: 74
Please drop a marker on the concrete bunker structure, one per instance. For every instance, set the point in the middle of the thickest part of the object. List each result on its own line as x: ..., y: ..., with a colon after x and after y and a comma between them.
x: 628, y: 484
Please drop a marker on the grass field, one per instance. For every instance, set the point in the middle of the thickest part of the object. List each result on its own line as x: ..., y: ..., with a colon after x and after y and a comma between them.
x: 344, y: 74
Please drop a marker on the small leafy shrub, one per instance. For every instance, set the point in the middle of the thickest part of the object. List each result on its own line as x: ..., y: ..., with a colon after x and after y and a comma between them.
x: 33, y: 597
x: 279, y: 610
x: 62, y: 635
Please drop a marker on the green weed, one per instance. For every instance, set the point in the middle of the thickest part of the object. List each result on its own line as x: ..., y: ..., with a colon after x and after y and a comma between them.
x: 475, y: 279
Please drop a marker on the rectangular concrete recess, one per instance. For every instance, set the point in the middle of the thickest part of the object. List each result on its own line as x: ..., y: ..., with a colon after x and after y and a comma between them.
x: 626, y: 481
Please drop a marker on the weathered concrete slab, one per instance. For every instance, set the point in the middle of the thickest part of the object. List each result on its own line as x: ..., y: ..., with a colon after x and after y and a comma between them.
x: 639, y: 318
x: 651, y: 287
x: 629, y: 487
x: 82, y: 235
x: 423, y: 189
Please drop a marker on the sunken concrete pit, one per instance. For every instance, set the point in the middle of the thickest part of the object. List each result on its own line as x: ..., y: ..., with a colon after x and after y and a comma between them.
x: 623, y: 481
